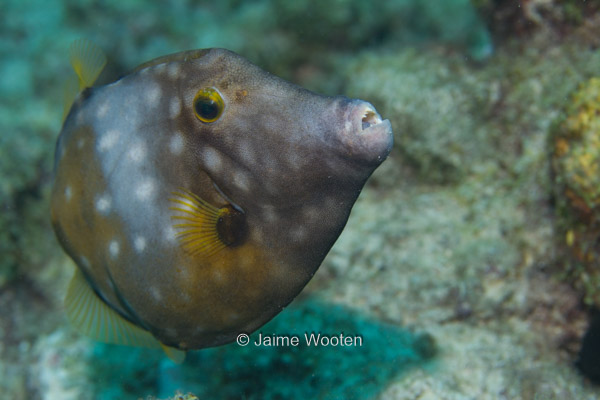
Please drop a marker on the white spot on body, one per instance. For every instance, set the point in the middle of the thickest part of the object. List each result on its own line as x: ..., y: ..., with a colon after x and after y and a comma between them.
x: 139, y: 243
x: 295, y: 160
x: 269, y: 215
x: 311, y: 214
x: 212, y: 159
x: 257, y: 235
x: 103, y: 204
x: 160, y: 68
x: 145, y: 190
x: 68, y: 193
x: 169, y: 234
x: 102, y: 109
x: 173, y: 70
x: 176, y: 143
x: 174, y: 107
x: 217, y: 276
x: 298, y: 234
x: 240, y: 179
x: 156, y: 294
x: 137, y: 152
x: 108, y: 140
x: 80, y: 118
x: 184, y: 296
x: 348, y: 126
x: 133, y: 115
x: 113, y: 248
x: 247, y: 153
x: 153, y: 93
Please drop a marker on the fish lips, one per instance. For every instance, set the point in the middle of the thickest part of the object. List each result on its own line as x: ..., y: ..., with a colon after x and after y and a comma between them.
x: 365, y: 136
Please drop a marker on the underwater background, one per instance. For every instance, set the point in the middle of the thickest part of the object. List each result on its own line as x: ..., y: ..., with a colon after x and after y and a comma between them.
x: 470, y: 266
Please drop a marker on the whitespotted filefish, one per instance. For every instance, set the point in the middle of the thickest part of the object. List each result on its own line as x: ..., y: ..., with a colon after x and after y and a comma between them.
x: 199, y: 194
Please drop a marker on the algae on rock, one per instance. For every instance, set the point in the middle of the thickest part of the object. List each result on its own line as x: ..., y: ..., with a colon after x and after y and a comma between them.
x: 576, y: 162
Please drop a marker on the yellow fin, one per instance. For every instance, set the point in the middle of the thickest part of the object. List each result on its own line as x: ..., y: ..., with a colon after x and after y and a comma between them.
x: 94, y: 318
x: 176, y: 355
x: 70, y: 93
x: 87, y: 60
x: 197, y: 224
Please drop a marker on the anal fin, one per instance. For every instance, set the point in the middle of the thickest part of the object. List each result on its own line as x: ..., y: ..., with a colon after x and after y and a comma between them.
x: 94, y: 318
x: 176, y: 355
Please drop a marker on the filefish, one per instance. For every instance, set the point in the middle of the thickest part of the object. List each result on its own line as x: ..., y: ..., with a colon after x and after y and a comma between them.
x: 199, y: 194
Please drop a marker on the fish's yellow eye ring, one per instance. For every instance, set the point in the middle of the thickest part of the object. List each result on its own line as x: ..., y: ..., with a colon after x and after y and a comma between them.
x: 208, y: 105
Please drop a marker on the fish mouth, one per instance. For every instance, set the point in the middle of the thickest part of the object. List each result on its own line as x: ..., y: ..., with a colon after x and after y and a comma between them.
x: 370, y: 118
x: 365, y: 136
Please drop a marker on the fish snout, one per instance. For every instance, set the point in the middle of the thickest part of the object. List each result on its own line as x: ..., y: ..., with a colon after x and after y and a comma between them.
x: 364, y: 136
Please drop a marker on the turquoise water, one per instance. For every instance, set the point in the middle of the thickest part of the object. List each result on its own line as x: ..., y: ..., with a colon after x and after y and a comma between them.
x: 449, y: 279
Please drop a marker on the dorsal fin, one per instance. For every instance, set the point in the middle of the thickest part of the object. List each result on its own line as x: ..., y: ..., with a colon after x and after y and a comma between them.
x: 94, y: 318
x: 88, y: 61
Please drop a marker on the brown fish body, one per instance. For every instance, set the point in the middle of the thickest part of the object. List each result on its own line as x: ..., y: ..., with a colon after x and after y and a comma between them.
x: 197, y: 231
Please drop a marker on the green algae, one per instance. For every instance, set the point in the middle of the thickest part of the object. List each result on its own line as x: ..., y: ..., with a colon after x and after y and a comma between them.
x: 576, y: 162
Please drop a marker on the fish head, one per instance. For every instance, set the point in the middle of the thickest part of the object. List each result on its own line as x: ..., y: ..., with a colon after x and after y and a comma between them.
x: 275, y: 145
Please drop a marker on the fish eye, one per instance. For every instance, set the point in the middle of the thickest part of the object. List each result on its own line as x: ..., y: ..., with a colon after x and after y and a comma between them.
x: 208, y: 105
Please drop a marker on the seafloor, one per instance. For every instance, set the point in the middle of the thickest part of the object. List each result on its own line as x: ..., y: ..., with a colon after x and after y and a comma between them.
x: 467, y: 265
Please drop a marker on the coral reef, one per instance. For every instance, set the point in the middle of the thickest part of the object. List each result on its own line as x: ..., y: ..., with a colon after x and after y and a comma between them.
x: 506, y: 19
x: 576, y: 162
x: 453, y: 118
x: 473, y: 197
